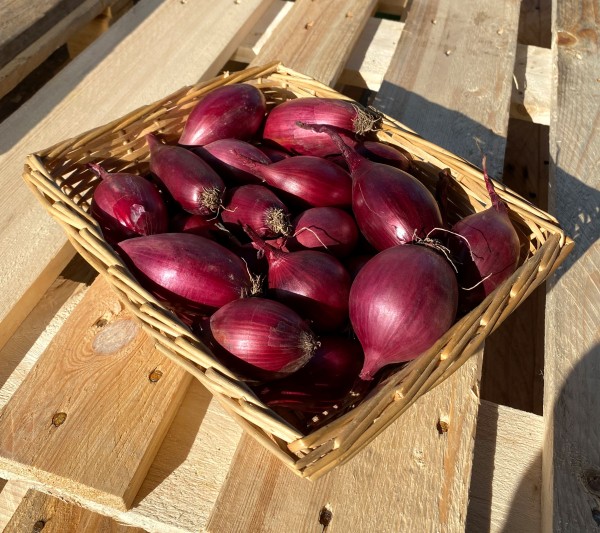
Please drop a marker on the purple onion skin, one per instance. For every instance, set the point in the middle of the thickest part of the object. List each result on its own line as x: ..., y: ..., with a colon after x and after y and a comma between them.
x: 401, y: 302
x: 192, y: 183
x: 391, y: 207
x: 308, y: 181
x: 196, y: 224
x: 494, y: 250
x: 232, y: 111
x: 223, y: 157
x: 188, y: 271
x: 326, y: 229
x: 281, y: 124
x: 257, y: 207
x: 324, y: 381
x: 126, y: 206
x: 386, y: 154
x: 274, y: 154
x: 313, y: 283
x: 265, y: 334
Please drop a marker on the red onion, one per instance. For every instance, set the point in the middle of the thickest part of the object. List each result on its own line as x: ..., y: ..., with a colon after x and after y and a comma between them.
x: 488, y: 252
x: 264, y: 333
x: 391, y: 206
x: 401, y: 302
x: 327, y: 229
x: 189, y: 180
x: 196, y: 224
x: 257, y: 207
x: 188, y: 271
x: 274, y: 154
x: 232, y: 111
x: 308, y: 180
x: 223, y: 157
x: 281, y: 124
x: 126, y: 205
x: 326, y: 379
x: 384, y: 153
x: 315, y: 284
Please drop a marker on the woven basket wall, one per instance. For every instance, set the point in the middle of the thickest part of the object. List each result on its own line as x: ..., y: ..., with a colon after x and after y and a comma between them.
x: 60, y: 180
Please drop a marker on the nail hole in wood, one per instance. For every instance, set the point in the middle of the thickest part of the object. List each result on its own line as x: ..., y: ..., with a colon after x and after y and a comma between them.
x: 443, y: 425
x: 325, y: 516
x: 101, y: 322
x: 38, y: 526
x: 592, y: 481
x: 596, y: 516
x: 58, y: 419
x: 155, y: 375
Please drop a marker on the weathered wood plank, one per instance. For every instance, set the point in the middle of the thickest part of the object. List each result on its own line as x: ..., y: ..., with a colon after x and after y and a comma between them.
x: 571, y: 463
x: 505, y: 489
x: 87, y: 94
x: 39, y: 511
x: 317, y: 37
x: 11, y: 495
x: 94, y: 409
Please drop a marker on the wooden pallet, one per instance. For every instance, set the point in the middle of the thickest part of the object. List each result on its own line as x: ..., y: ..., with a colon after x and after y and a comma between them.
x: 464, y: 74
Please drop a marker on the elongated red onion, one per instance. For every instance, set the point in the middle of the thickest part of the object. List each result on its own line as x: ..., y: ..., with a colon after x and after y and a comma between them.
x: 401, y: 302
x: 274, y: 154
x: 311, y: 181
x: 488, y: 252
x: 186, y: 270
x: 257, y: 207
x: 327, y: 229
x: 126, y: 205
x: 391, y: 206
x: 384, y: 153
x: 264, y: 333
x: 347, y: 117
x: 232, y: 111
x: 197, y: 224
x: 223, y: 157
x: 190, y: 181
x: 313, y: 283
x: 326, y: 379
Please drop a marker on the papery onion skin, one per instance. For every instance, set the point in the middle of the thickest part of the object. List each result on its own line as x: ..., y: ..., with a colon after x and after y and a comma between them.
x: 192, y: 183
x: 313, y: 283
x: 308, y: 181
x: 189, y: 271
x: 401, y: 302
x: 488, y: 252
x: 257, y: 207
x: 126, y: 206
x: 231, y: 111
x: 265, y: 334
x: 223, y: 157
x: 326, y: 229
x: 327, y: 378
x: 386, y: 154
x: 347, y: 117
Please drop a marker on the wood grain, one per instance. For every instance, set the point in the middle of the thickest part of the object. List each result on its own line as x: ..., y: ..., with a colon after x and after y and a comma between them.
x: 84, y: 95
x: 571, y: 465
x: 89, y: 418
x: 505, y: 488
x: 11, y: 494
x: 408, y: 479
x: 317, y: 36
x: 39, y: 511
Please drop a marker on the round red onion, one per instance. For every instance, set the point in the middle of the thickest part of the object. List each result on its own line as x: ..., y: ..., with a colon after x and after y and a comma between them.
x: 257, y: 207
x: 223, y: 157
x: 315, y: 284
x: 188, y: 271
x: 126, y: 206
x: 231, y: 111
x: 325, y: 380
x: 401, y: 302
x: 327, y: 229
x: 347, y: 117
x: 189, y: 180
x: 487, y: 251
x: 264, y: 333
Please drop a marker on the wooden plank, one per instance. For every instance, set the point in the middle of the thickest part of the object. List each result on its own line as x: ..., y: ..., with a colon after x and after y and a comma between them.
x: 90, y: 402
x: 39, y: 512
x: 86, y: 94
x: 408, y: 479
x: 317, y: 37
x: 507, y: 465
x: 29, y: 35
x: 571, y: 463
x: 533, y: 82
x: 11, y: 495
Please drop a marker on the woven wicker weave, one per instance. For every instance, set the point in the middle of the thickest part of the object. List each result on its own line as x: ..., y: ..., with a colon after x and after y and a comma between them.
x: 59, y: 178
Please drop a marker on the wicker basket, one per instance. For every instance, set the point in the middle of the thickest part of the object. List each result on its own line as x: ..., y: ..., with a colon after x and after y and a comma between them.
x: 60, y: 180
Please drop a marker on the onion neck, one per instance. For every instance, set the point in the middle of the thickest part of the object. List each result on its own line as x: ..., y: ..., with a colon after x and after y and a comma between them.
x: 497, y: 202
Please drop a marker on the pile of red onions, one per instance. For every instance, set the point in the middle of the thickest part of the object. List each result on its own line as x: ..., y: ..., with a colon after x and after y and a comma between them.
x: 296, y: 244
